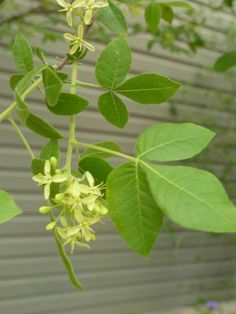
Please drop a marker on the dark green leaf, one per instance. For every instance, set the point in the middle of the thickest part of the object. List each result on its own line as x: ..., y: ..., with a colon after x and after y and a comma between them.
x: 113, y: 63
x: 113, y: 109
x: 167, y: 13
x: 41, y: 127
x: 153, y: 16
x: 69, y: 104
x: 8, y: 208
x: 132, y: 207
x: 226, y: 61
x: 37, y: 166
x: 113, y: 18
x: 41, y: 55
x: 192, y: 198
x: 14, y: 80
x: 107, y: 145
x: 22, y: 54
x: 62, y: 75
x: 51, y: 149
x: 52, y: 86
x: 149, y: 88
x: 98, y: 167
x: 170, y: 142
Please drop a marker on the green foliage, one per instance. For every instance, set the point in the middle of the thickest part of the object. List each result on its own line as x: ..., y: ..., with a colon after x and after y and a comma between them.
x: 41, y: 127
x: 113, y: 18
x: 8, y: 208
x: 113, y: 109
x: 69, y: 104
x: 37, y: 166
x: 167, y: 13
x: 14, y: 80
x: 226, y: 61
x: 148, y: 88
x: 175, y: 141
x: 132, y: 207
x: 113, y: 63
x: 51, y: 149
x: 52, y: 86
x: 22, y: 54
x: 153, y: 14
x: 98, y: 167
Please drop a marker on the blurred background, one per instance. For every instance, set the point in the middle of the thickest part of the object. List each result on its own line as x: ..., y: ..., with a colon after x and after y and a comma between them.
x: 186, y: 269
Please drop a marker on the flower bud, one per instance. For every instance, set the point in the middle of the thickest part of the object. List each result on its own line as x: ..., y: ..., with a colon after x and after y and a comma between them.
x: 53, y: 162
x: 59, y: 196
x: 50, y: 226
x: 44, y: 209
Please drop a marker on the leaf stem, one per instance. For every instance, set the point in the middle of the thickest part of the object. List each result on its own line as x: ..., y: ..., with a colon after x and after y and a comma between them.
x: 106, y: 150
x: 22, y: 137
x: 12, y: 107
x: 71, y: 140
x: 88, y: 84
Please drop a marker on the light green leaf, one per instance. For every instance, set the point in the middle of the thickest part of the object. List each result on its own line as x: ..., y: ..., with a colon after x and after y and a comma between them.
x: 39, y: 52
x: 22, y: 54
x: 113, y: 63
x: 170, y: 142
x: 51, y: 149
x: 113, y: 109
x: 129, y: 1
x: 192, y: 198
x: 67, y: 263
x: 98, y: 167
x: 167, y: 13
x: 113, y: 18
x: 8, y: 208
x: 153, y: 16
x: 69, y: 104
x: 149, y: 88
x: 22, y: 109
x: 52, y: 86
x: 41, y: 127
x: 14, y: 80
x: 107, y: 145
x: 132, y: 208
x: 226, y: 61
x: 179, y: 4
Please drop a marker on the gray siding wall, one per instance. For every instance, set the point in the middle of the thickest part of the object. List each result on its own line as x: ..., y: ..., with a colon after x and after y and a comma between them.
x: 184, y: 265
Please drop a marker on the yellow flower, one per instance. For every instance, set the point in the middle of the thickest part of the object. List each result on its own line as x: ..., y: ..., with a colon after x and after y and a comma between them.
x: 69, y: 8
x: 47, y: 179
x: 89, y: 6
x: 77, y: 41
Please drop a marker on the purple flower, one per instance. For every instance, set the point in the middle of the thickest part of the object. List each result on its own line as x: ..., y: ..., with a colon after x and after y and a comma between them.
x: 211, y: 305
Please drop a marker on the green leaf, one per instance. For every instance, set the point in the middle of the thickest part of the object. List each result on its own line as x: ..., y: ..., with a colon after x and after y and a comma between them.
x: 22, y: 54
x: 14, y: 80
x: 192, y: 198
x: 37, y: 166
x: 149, y: 88
x: 113, y: 63
x: 153, y: 16
x: 67, y: 262
x: 129, y: 1
x: 41, y: 127
x: 170, y: 142
x: 179, y: 4
x: 113, y: 18
x: 39, y: 52
x: 8, y: 208
x: 106, y: 145
x: 132, y: 207
x: 69, y: 104
x: 52, y: 86
x: 28, y: 79
x: 62, y: 75
x: 22, y: 109
x: 226, y: 61
x: 51, y: 149
x: 98, y: 167
x: 167, y: 13
x: 113, y: 109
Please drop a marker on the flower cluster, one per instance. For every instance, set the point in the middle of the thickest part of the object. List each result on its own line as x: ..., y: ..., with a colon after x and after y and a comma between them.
x: 84, y: 9
x: 79, y: 204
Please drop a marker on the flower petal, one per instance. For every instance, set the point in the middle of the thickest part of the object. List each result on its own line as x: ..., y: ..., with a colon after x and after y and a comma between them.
x: 47, y: 191
x: 69, y: 36
x: 58, y: 178
x: 47, y: 167
x: 88, y: 16
x: 69, y: 18
x: 62, y: 3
